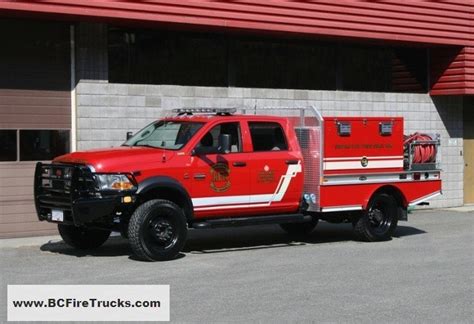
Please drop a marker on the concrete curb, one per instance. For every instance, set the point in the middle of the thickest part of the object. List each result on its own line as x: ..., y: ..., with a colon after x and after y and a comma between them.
x: 28, y: 241
x: 38, y: 240
x: 463, y: 209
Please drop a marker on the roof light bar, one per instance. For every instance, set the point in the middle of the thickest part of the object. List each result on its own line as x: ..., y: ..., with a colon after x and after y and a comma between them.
x: 221, y: 111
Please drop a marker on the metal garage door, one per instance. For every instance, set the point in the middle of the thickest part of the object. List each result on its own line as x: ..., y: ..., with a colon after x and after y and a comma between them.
x: 35, y: 115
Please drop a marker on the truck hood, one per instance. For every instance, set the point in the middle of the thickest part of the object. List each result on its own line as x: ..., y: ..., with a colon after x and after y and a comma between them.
x: 119, y: 159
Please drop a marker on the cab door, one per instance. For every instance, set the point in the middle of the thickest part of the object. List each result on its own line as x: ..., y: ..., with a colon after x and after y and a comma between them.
x: 276, y: 176
x: 220, y: 182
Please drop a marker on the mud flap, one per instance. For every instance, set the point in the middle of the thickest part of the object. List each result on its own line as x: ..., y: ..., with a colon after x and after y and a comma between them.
x: 402, y: 214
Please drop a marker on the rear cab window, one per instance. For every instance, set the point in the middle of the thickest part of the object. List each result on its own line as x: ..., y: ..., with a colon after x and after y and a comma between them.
x: 267, y: 136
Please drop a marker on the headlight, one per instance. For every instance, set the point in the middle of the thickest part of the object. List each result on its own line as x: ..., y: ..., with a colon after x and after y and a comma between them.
x: 114, y: 182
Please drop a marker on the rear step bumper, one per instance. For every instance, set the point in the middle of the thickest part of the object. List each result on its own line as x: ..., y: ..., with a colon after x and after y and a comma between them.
x: 255, y: 220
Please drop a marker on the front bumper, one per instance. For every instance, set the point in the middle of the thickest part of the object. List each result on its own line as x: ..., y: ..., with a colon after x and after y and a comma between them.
x: 70, y: 190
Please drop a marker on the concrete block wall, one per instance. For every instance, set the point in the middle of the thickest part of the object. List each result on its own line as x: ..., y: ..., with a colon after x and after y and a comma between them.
x: 106, y: 111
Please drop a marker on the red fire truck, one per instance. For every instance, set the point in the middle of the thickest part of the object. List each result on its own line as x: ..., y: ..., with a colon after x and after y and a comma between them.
x: 206, y: 168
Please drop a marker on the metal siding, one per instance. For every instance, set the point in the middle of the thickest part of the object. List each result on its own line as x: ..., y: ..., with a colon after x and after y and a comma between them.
x: 448, y: 22
x: 452, y: 71
x: 35, y: 109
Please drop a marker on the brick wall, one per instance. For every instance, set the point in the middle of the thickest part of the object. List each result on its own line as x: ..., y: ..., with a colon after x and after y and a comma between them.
x: 107, y: 111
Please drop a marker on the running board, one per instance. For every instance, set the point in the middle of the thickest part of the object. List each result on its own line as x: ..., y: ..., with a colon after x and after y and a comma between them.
x: 255, y: 220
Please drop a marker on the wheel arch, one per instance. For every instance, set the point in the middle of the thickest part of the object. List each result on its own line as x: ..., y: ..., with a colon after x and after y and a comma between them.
x: 391, y: 190
x: 163, y: 187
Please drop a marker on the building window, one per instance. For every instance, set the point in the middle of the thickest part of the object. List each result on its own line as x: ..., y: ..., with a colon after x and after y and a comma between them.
x: 35, y: 55
x: 267, y: 137
x: 34, y: 145
x: 267, y: 63
x: 365, y: 69
x: 158, y: 57
x: 151, y: 56
x: 42, y: 145
x: 8, y: 145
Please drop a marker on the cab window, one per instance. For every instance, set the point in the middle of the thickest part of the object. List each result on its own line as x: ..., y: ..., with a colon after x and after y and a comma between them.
x: 267, y: 136
x: 209, y: 143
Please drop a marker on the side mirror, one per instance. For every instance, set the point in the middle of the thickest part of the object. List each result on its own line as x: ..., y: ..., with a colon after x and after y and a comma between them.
x: 129, y: 135
x: 224, y: 141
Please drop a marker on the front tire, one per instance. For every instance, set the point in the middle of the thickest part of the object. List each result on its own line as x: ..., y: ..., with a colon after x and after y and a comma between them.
x: 379, y: 221
x: 82, y: 237
x: 157, y: 230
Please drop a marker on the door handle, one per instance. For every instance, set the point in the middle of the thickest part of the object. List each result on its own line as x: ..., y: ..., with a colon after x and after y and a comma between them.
x: 239, y: 164
x: 199, y: 176
x: 291, y: 161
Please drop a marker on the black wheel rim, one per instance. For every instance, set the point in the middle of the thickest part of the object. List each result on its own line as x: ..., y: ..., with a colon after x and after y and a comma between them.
x: 159, y: 232
x: 379, y: 218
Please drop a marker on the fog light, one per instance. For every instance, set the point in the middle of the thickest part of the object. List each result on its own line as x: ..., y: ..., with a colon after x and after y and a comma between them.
x: 127, y: 199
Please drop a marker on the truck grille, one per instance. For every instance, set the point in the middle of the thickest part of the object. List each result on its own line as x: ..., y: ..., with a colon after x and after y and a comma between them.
x: 57, y: 186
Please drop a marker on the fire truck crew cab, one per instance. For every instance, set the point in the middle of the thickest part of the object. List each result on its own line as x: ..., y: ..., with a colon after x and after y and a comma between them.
x: 206, y: 168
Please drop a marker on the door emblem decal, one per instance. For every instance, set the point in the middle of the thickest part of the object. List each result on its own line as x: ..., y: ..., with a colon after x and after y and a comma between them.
x: 265, y: 176
x: 220, y: 181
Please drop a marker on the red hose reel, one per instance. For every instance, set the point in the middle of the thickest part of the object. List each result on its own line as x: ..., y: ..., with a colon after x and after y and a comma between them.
x: 422, y: 152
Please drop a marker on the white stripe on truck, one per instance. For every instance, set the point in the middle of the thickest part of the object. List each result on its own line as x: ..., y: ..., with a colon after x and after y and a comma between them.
x: 371, y: 164
x: 248, y: 201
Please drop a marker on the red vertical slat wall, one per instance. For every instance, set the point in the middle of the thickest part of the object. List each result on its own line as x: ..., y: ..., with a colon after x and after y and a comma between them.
x: 426, y: 23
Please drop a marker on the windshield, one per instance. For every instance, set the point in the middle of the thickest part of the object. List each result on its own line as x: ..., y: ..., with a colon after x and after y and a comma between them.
x: 167, y: 134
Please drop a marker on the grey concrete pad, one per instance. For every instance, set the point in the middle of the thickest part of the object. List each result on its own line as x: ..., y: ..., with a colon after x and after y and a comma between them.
x: 256, y: 274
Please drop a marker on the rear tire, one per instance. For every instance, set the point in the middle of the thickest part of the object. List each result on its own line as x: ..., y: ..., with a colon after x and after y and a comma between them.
x: 379, y: 221
x: 157, y: 230
x: 82, y: 237
x: 300, y: 229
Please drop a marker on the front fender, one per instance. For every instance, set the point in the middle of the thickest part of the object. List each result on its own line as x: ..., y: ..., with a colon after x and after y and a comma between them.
x: 170, y: 189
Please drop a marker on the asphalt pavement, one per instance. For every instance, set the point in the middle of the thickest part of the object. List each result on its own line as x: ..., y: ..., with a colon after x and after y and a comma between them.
x: 256, y: 274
